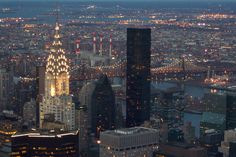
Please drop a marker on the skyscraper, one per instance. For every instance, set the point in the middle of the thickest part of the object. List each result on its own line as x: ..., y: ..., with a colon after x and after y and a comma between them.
x: 57, y: 101
x: 5, y: 88
x: 57, y: 74
x: 103, y: 109
x: 138, y: 76
x: 97, y: 110
x: 231, y: 111
x: 40, y: 89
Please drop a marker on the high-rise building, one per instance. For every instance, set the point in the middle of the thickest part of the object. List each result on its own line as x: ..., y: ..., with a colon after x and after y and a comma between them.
x: 5, y: 88
x: 130, y: 142
x: 40, y: 80
x: 45, y: 144
x: 57, y: 100
x: 103, y: 106
x: 231, y: 111
x: 97, y: 111
x: 40, y: 90
x: 84, y: 115
x: 138, y: 76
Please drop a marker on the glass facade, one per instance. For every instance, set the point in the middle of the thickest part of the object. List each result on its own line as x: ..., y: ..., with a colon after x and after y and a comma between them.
x: 138, y: 76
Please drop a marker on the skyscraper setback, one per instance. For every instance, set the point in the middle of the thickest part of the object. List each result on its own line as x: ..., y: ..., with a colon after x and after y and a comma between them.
x: 138, y: 76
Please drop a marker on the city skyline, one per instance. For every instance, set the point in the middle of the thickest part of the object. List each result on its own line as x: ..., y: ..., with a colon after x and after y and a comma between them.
x: 117, y: 78
x: 121, y: 0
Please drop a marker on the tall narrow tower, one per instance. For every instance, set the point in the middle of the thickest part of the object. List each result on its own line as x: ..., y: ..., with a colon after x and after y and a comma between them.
x: 57, y: 102
x: 94, y: 43
x: 138, y: 76
x: 101, y: 45
x: 77, y: 51
x: 77, y: 42
x: 57, y: 75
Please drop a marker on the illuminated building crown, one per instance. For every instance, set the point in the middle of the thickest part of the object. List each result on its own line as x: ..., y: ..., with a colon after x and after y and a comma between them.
x: 57, y: 75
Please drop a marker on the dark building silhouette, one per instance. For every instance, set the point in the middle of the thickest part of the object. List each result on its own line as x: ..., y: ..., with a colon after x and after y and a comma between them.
x: 138, y: 76
x: 103, y: 106
x: 40, y: 80
x: 97, y: 102
x: 231, y: 111
x: 180, y: 150
x: 46, y: 145
x: 232, y: 149
x: 40, y: 89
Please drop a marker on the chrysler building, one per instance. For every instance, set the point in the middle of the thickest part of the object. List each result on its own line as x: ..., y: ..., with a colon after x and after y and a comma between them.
x: 57, y: 101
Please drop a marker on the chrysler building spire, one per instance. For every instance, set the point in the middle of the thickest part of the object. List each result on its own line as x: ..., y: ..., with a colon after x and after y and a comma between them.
x: 57, y: 75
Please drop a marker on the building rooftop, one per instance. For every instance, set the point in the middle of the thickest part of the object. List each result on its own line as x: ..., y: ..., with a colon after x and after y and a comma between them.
x: 46, y: 134
x: 131, y: 131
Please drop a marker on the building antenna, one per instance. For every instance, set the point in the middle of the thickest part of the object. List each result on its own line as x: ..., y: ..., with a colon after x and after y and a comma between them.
x: 57, y: 12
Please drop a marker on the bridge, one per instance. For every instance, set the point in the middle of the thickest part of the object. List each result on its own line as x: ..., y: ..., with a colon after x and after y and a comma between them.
x: 179, y: 69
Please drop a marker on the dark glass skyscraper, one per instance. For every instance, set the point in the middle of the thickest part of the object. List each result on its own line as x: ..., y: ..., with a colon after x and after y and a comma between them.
x: 103, y: 106
x: 138, y: 76
x: 98, y: 100
x: 231, y: 111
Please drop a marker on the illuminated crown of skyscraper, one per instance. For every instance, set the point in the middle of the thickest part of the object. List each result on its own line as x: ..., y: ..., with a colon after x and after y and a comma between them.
x: 57, y: 69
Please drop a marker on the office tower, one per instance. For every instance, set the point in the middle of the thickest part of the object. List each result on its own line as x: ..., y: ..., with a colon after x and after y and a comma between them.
x: 40, y: 80
x: 5, y: 88
x: 84, y: 116
x: 97, y: 110
x: 40, y: 89
x: 231, y: 111
x: 103, y: 109
x: 138, y: 76
x: 130, y: 142
x: 45, y: 144
x: 57, y: 101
